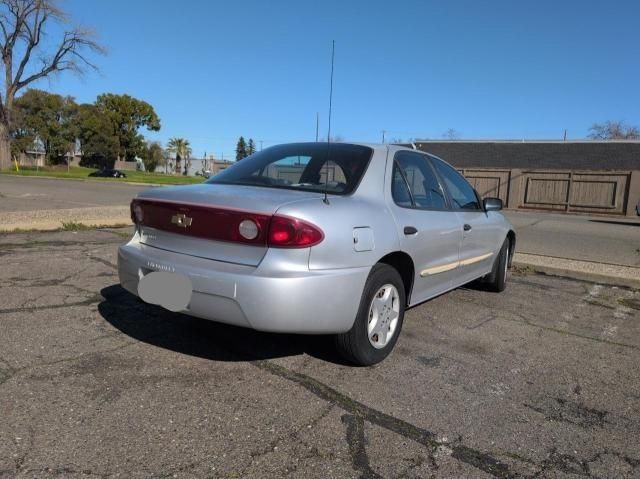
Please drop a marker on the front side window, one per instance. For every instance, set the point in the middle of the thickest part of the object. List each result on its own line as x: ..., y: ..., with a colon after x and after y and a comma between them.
x: 423, y: 185
x: 462, y: 195
x: 338, y: 167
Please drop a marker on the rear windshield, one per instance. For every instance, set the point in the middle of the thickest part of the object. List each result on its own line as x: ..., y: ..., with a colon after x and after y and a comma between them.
x: 301, y: 166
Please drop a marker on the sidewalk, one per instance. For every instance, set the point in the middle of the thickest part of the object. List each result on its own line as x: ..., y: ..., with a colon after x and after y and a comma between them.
x: 48, y: 220
x: 601, y: 249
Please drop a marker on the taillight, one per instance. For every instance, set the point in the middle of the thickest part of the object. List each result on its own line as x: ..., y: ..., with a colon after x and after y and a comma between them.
x: 286, y: 232
x: 224, y: 224
x: 137, y: 215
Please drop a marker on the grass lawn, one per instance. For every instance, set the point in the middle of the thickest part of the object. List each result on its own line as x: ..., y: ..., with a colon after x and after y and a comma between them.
x: 79, y: 172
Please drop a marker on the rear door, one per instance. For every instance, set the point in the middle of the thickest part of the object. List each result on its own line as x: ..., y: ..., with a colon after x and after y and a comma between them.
x: 428, y: 230
x: 480, y: 240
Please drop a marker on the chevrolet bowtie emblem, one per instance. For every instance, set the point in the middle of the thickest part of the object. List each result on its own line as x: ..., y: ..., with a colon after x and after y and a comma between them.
x: 181, y: 220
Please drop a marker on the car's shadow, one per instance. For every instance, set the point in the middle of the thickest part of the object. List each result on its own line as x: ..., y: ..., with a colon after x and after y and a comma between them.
x: 203, y: 338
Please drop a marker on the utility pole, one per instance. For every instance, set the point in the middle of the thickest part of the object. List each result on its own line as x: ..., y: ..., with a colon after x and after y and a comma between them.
x: 260, y: 145
x: 383, y: 133
x: 317, y: 124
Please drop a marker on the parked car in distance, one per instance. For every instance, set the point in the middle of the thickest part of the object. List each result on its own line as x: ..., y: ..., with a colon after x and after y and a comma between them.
x: 108, y: 173
x: 314, y: 238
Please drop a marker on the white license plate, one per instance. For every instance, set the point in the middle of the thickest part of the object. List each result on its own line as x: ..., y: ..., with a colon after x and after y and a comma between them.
x: 172, y: 291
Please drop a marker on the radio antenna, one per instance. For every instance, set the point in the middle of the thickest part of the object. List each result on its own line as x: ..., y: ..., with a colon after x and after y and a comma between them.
x: 326, y: 179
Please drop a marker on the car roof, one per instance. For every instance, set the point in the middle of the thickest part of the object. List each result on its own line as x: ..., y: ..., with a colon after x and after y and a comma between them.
x: 374, y: 146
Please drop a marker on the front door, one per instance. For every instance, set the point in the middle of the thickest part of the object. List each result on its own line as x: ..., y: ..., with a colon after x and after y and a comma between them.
x: 428, y: 230
x: 479, y: 240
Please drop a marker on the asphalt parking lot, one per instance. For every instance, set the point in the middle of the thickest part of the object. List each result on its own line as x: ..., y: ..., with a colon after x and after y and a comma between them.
x: 540, y: 381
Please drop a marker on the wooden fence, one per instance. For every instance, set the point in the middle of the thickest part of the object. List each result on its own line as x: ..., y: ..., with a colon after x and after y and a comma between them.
x: 594, y: 192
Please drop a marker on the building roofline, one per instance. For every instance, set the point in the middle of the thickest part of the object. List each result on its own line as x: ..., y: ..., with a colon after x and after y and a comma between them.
x: 587, y: 141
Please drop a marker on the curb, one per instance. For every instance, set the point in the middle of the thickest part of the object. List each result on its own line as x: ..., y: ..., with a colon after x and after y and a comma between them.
x: 612, y: 275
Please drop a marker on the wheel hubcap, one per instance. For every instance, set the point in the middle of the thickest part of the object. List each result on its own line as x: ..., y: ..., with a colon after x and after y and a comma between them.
x: 384, y: 313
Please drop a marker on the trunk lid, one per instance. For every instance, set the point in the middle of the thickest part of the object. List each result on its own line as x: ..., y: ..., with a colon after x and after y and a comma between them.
x: 202, y: 220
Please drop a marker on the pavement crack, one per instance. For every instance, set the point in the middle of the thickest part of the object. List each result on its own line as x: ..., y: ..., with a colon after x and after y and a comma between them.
x: 96, y: 298
x: 357, y: 446
x: 80, y: 356
x: 102, y: 261
x: 483, y: 461
x: 559, y: 409
x: 6, y: 374
x: 20, y: 460
x: 570, y: 464
x: 529, y: 322
x: 65, y: 471
x: 37, y: 282
x: 291, y: 434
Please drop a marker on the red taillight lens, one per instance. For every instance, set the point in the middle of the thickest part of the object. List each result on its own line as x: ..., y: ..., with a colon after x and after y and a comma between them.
x: 225, y: 224
x: 286, y: 232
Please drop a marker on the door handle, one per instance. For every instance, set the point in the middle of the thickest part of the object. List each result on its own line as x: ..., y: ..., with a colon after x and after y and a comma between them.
x: 410, y: 230
x: 467, y: 227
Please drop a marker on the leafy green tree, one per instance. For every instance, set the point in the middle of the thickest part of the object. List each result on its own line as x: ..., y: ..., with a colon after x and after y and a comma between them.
x: 26, y: 58
x: 182, y: 149
x: 251, y: 147
x: 46, y: 118
x: 241, y: 149
x: 152, y: 156
x: 128, y: 115
x: 100, y: 146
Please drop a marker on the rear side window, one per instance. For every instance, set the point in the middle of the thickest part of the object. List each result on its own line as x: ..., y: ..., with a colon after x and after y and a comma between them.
x: 399, y: 188
x: 301, y: 166
x: 424, y: 189
x: 460, y: 191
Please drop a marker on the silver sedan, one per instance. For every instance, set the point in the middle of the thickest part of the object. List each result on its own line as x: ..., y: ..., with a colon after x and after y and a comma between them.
x: 317, y: 238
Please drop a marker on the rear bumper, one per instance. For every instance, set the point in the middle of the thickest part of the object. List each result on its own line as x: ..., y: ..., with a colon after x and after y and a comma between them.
x: 261, y: 298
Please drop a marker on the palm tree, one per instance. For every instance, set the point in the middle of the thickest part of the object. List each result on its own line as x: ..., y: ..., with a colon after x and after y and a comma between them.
x: 182, y: 149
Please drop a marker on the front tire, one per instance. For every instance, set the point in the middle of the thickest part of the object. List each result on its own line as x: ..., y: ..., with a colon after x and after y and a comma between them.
x: 497, y: 279
x: 379, y: 320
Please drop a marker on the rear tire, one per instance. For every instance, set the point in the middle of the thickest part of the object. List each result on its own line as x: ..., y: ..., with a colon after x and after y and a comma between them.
x: 497, y: 279
x: 379, y: 319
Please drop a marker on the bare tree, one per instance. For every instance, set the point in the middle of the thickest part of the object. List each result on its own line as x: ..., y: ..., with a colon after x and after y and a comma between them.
x: 334, y: 139
x: 23, y: 24
x: 614, y: 130
x: 451, y: 134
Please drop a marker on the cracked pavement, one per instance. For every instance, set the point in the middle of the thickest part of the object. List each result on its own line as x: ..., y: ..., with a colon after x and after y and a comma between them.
x: 540, y: 381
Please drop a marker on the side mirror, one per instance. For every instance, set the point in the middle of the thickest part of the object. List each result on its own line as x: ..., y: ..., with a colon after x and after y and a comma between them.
x: 492, y: 204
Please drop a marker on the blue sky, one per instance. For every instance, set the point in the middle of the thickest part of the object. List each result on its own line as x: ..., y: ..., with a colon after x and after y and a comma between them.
x: 215, y: 70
